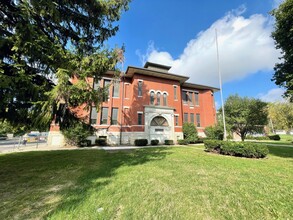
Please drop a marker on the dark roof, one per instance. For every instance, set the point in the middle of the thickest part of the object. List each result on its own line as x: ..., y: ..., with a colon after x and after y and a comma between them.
x: 156, y: 65
x: 198, y: 86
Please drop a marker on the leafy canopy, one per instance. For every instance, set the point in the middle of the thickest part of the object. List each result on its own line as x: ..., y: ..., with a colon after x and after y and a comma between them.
x: 245, y: 115
x: 283, y: 36
x: 281, y: 114
x: 43, y: 44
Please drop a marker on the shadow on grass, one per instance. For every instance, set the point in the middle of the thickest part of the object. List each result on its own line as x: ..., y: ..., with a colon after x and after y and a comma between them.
x: 281, y: 151
x: 39, y: 184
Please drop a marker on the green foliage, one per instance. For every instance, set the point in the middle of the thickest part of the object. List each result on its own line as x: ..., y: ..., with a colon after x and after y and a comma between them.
x: 101, y: 141
x: 190, y: 132
x: 85, y: 143
x: 281, y: 115
x: 245, y: 115
x: 259, y: 138
x: 77, y: 133
x: 239, y: 149
x: 275, y: 137
x: 182, y: 142
x: 154, y: 142
x: 169, y: 142
x: 47, y: 41
x: 283, y: 36
x: 214, y: 132
x: 140, y: 142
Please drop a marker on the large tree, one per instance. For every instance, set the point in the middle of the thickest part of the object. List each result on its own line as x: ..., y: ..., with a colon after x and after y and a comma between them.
x: 281, y: 115
x: 283, y: 36
x: 245, y: 115
x: 43, y: 44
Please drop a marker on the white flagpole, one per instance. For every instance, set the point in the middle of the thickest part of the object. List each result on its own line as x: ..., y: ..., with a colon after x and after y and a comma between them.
x: 220, y: 80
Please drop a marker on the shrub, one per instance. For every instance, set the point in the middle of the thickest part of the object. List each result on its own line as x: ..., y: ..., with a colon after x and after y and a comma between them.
x: 85, y: 143
x: 259, y: 138
x: 214, y: 132
x: 182, y: 141
x: 77, y: 134
x: 275, y: 137
x: 140, y: 142
x: 190, y: 132
x: 239, y: 149
x: 169, y: 142
x: 101, y: 141
x: 154, y: 142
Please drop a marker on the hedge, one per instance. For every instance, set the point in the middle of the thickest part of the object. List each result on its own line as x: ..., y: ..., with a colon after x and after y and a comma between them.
x: 101, y: 141
x: 169, y: 142
x: 85, y: 143
x: 154, y: 142
x: 238, y: 149
x: 182, y: 141
x: 140, y: 142
x: 275, y: 137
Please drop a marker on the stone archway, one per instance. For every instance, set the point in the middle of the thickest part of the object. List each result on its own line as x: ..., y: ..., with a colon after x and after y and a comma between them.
x: 160, y: 129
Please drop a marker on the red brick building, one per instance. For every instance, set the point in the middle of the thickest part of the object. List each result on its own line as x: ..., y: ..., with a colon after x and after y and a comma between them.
x: 151, y: 103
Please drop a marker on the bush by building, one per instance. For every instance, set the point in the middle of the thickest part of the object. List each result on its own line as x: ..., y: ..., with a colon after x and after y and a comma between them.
x: 101, y: 141
x: 275, y: 137
x: 182, y: 142
x: 239, y: 149
x: 169, y: 142
x: 154, y: 142
x: 140, y: 142
x: 190, y: 132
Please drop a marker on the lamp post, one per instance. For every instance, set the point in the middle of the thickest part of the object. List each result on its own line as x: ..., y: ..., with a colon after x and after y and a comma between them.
x: 220, y: 82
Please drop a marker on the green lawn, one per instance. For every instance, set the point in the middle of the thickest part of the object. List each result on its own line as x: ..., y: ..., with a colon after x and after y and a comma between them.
x: 154, y: 183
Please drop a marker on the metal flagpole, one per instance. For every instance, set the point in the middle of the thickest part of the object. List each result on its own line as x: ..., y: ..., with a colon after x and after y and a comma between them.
x: 220, y: 81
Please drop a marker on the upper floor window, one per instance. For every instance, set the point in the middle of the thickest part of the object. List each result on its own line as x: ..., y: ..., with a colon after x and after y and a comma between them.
x: 139, y: 88
x: 196, y: 98
x: 96, y: 84
x: 94, y: 116
x: 152, y: 97
x: 184, y: 96
x: 175, y: 92
x: 116, y: 87
x: 106, y: 89
x: 158, y: 98
x: 164, y: 99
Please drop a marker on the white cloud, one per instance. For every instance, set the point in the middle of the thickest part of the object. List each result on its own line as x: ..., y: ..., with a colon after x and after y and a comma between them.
x: 276, y: 3
x: 273, y: 95
x: 245, y: 47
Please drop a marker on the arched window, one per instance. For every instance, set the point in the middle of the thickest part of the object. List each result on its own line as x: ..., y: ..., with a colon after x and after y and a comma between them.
x: 165, y: 99
x: 152, y: 97
x: 158, y: 98
x: 159, y: 121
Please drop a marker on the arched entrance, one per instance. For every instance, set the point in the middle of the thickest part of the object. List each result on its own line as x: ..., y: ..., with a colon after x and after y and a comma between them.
x: 159, y: 129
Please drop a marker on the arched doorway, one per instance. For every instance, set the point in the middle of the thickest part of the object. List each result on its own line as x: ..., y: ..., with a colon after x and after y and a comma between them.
x: 159, y: 129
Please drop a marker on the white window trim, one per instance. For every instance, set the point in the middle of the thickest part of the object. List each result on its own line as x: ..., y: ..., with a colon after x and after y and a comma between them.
x: 139, y: 112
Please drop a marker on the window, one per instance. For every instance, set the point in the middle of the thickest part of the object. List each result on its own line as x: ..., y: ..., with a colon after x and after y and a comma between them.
x: 189, y: 96
x: 116, y: 88
x: 114, y: 118
x: 197, y: 120
x: 139, y: 88
x: 152, y: 97
x: 104, y: 116
x: 139, y: 118
x: 159, y: 121
x: 175, y: 92
x: 96, y: 84
x: 127, y: 95
x: 184, y: 96
x: 185, y: 117
x: 191, y: 118
x: 196, y: 99
x: 158, y: 98
x: 165, y: 99
x: 94, y: 116
x: 107, y: 89
x: 176, y: 120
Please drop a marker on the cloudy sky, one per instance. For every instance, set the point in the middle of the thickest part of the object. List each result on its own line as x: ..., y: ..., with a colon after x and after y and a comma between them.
x: 182, y: 34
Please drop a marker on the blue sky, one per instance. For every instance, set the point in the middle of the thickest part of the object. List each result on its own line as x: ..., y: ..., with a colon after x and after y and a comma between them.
x: 182, y: 34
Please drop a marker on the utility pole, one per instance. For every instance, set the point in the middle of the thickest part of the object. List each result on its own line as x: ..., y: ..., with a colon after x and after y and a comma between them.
x: 220, y: 81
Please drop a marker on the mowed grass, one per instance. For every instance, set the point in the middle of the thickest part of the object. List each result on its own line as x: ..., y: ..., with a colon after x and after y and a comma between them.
x: 154, y: 183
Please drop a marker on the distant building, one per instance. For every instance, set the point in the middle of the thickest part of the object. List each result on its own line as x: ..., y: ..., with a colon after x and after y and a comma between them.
x: 150, y: 103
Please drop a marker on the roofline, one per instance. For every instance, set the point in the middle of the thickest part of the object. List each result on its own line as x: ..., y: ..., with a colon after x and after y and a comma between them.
x: 156, y: 65
x: 199, y: 86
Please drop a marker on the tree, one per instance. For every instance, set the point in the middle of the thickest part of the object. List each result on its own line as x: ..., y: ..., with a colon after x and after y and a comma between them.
x: 283, y: 35
x: 214, y: 132
x: 43, y: 44
x: 190, y: 132
x: 281, y: 114
x: 245, y: 115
